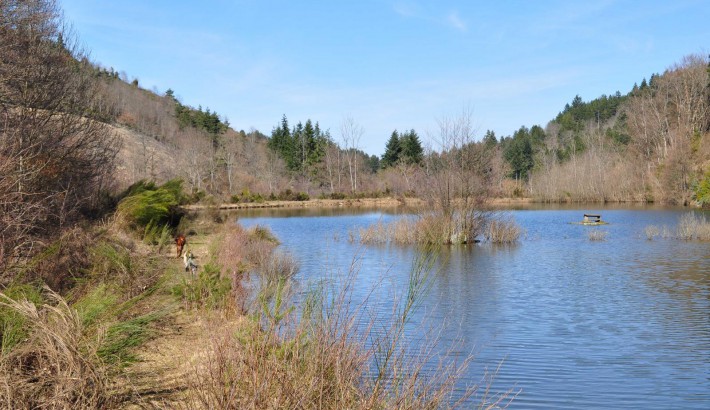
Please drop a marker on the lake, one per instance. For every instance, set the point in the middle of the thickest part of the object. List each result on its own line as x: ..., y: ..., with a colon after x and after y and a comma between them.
x: 573, y: 323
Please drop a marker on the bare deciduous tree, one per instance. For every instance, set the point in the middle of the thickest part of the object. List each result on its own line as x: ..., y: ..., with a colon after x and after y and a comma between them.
x: 55, y: 160
x: 458, y: 177
x: 351, y: 132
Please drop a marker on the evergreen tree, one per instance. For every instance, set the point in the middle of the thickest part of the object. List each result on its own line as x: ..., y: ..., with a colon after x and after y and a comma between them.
x: 411, y: 148
x: 490, y: 139
x: 519, y: 153
x: 393, y: 150
x: 280, y: 138
x: 373, y: 163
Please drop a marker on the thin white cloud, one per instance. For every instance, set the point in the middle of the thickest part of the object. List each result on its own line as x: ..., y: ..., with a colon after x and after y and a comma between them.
x: 456, y: 22
x: 405, y: 9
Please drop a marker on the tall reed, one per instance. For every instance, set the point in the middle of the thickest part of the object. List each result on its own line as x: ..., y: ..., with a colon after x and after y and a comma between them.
x: 692, y: 226
x: 502, y: 230
x: 597, y: 235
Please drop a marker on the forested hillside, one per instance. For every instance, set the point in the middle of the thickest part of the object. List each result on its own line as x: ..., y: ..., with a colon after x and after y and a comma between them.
x: 649, y: 145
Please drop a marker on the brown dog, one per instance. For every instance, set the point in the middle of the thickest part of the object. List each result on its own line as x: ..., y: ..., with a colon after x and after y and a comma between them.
x: 180, y: 242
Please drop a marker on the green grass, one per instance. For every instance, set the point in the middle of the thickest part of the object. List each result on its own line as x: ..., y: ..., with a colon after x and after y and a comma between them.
x: 207, y: 289
x: 96, y: 305
x: 13, y: 328
x: 123, y: 337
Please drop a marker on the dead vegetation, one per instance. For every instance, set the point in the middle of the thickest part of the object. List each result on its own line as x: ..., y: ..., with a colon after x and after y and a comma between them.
x: 691, y: 227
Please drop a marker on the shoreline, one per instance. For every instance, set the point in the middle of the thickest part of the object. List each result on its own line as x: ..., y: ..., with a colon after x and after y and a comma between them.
x: 391, y: 202
x: 387, y: 202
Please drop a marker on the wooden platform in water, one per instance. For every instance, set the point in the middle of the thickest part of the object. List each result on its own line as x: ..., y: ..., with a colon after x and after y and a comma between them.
x: 591, y: 220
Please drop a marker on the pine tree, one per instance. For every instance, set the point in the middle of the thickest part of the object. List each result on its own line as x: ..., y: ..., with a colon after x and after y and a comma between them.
x: 393, y: 150
x: 490, y: 139
x: 412, y: 151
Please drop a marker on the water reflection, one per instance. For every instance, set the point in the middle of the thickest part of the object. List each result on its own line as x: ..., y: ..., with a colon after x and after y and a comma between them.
x: 621, y: 323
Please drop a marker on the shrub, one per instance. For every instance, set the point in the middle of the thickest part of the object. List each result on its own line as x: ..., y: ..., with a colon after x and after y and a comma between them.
x: 701, y: 191
x: 262, y: 233
x: 114, y: 264
x: 337, y: 195
x: 61, y: 264
x: 289, y: 195
x: 150, y: 205
x: 209, y: 289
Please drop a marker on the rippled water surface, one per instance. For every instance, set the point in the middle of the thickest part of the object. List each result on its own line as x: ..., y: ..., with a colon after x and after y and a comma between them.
x: 573, y: 323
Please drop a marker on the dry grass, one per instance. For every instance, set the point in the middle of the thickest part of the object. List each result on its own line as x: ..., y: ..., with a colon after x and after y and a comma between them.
x: 692, y: 226
x: 652, y: 232
x: 503, y: 230
x: 434, y: 228
x: 57, y: 367
x: 402, y: 231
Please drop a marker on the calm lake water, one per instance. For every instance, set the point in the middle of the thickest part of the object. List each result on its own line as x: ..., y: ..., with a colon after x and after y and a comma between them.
x: 621, y: 323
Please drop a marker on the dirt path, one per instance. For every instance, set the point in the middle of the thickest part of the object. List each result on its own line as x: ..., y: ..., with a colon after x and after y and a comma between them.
x: 160, y: 378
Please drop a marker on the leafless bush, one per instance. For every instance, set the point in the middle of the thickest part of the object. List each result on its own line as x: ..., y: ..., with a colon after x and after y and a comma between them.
x: 280, y: 265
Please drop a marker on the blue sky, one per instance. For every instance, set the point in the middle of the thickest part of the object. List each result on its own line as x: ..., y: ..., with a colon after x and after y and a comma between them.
x: 389, y: 64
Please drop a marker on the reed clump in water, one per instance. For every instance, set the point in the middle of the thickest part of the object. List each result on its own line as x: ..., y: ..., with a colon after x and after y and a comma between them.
x: 503, y: 230
x: 691, y: 227
x: 597, y: 235
x: 433, y: 228
x: 652, y: 232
